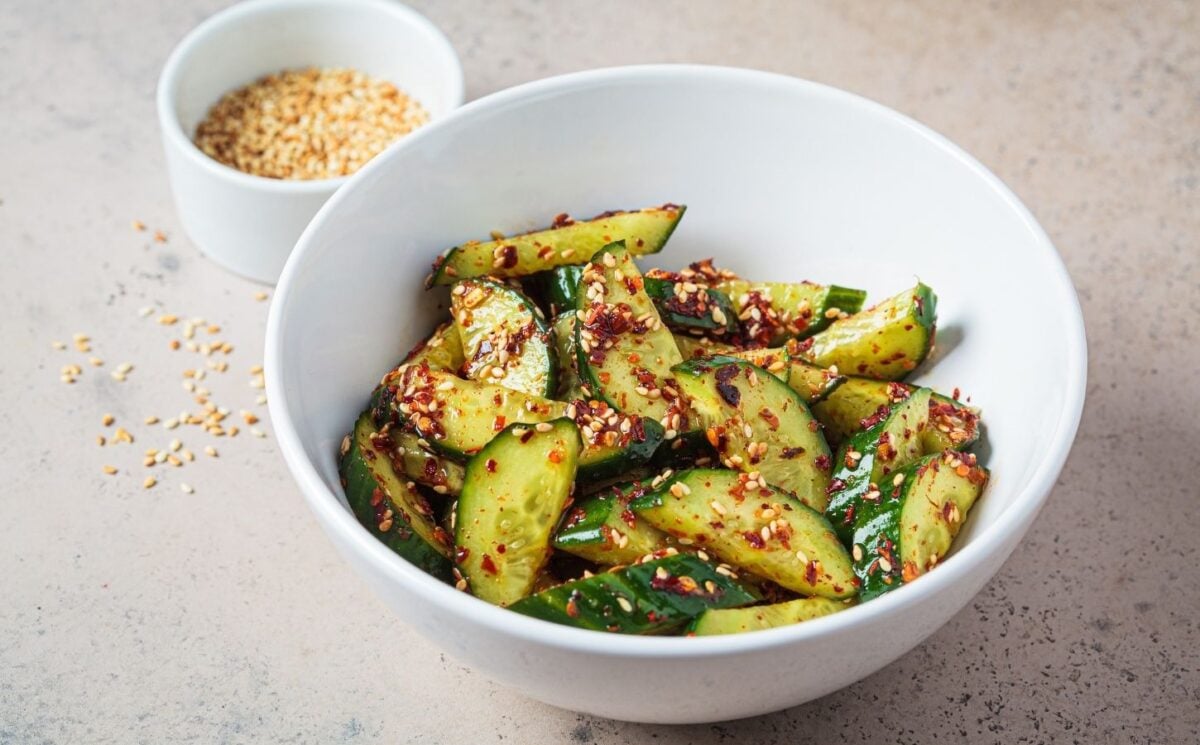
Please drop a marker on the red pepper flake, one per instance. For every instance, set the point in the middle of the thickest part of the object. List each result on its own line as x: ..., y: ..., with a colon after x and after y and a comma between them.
x: 488, y: 565
x: 572, y: 607
x: 770, y: 418
x: 498, y: 423
x: 835, y: 486
x: 461, y: 554
x: 562, y: 220
x: 728, y: 391
x: 629, y: 518
x: 810, y: 572
x: 789, y: 453
x: 849, y: 518
x: 823, y: 462
x: 754, y: 539
x: 555, y: 456
x: 490, y: 465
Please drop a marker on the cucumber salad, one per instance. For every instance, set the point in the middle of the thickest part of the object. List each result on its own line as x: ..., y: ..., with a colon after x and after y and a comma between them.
x: 663, y: 452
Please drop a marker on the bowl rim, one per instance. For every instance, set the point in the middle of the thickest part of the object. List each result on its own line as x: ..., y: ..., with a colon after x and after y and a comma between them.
x: 220, y: 22
x: 986, y: 547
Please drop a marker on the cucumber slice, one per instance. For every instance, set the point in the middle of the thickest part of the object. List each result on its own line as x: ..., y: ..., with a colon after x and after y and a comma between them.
x: 504, y: 338
x: 614, y: 442
x: 458, y: 417
x: 568, y: 242
x: 813, y: 383
x: 684, y: 306
x: 772, y: 312
x: 904, y: 535
x: 758, y: 425
x: 866, y: 462
x: 952, y: 425
x: 420, y: 464
x: 568, y: 365
x: 513, y: 495
x: 752, y: 525
x: 738, y: 620
x: 886, y: 342
x: 601, y: 528
x: 655, y: 597
x: 774, y: 361
x: 625, y: 353
x: 700, y: 346
x: 389, y: 506
x: 442, y: 350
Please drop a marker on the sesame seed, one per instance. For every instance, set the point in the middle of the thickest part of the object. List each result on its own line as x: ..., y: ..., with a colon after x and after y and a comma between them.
x: 149, y: 482
x: 544, y: 427
x: 898, y: 480
x: 186, y: 489
x: 625, y: 604
x: 210, y: 451
x: 884, y: 564
x: 58, y: 345
x: 110, y: 470
x: 857, y: 552
x: 107, y: 419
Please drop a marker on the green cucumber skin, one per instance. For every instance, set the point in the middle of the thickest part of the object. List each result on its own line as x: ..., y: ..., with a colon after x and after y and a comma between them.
x: 787, y: 297
x: 539, y: 345
x: 599, y: 463
x: 851, y: 484
x: 880, y: 530
x: 657, y: 605
x: 646, y: 230
x: 805, y: 472
x: 513, y: 495
x: 878, y: 343
x: 568, y: 365
x: 360, y: 484
x: 662, y: 292
x: 759, y: 617
x: 557, y: 288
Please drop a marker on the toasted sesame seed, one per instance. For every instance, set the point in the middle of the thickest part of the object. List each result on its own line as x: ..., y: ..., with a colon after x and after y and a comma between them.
x: 884, y: 564
x: 260, y: 296
x: 107, y: 419
x: 186, y: 489
x: 544, y: 426
x: 898, y: 480
x: 625, y: 604
x: 149, y: 482
x: 210, y: 451
x: 110, y: 470
x: 857, y: 552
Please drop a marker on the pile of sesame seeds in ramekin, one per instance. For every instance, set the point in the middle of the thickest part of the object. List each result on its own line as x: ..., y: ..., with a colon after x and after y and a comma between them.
x: 307, y: 124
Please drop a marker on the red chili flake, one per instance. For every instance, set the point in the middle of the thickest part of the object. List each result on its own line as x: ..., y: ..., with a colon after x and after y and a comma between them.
x: 789, y: 453
x: 955, y: 393
x: 835, y: 486
x: 849, y: 518
x: 728, y: 391
x: 490, y: 465
x: 810, y: 572
x: 770, y: 418
x: 575, y: 517
x: 508, y: 257
x: 461, y: 554
x: 441, y: 536
x: 526, y: 436
x: 488, y: 565
x: 629, y: 518
x: 555, y: 456
x: 572, y: 608
x: 376, y: 496
x: 679, y: 585
x: 498, y: 422
x: 754, y: 539
x: 823, y: 462
x: 561, y: 220
x: 879, y: 415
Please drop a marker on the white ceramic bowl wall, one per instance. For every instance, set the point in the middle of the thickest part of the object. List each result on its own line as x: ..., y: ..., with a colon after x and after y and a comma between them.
x: 249, y: 224
x: 783, y: 179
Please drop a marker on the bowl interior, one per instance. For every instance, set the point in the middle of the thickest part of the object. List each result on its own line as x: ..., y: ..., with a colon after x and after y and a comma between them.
x: 377, y: 37
x: 783, y: 180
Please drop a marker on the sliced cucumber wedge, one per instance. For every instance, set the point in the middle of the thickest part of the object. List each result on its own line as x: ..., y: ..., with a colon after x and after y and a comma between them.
x: 568, y: 242
x: 867, y: 461
x: 886, y: 342
x: 758, y: 425
x: 442, y: 350
x: 513, y: 494
x: 555, y: 288
x: 814, y: 384
x: 654, y: 597
x: 905, y: 534
x: 625, y: 353
x: 420, y: 463
x: 614, y: 442
x: 388, y: 505
x: 737, y: 620
x: 601, y: 528
x: 953, y: 425
x: 771, y: 312
x: 754, y: 526
x: 504, y: 339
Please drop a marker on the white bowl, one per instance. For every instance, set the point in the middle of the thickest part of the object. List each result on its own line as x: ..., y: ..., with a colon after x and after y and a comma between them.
x: 783, y: 179
x: 248, y: 224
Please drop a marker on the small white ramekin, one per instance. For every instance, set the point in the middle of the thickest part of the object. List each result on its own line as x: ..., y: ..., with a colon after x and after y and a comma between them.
x: 248, y: 224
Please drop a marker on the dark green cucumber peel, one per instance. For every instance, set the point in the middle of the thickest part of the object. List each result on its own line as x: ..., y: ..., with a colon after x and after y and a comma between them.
x: 656, y: 597
x: 567, y: 242
x: 759, y: 617
x: 752, y: 526
x: 730, y: 397
x: 886, y: 342
x: 866, y: 461
x: 601, y: 528
x: 907, y: 532
x: 687, y: 306
x: 788, y: 310
x: 556, y: 288
x: 514, y: 493
x: 502, y: 331
x: 388, y: 506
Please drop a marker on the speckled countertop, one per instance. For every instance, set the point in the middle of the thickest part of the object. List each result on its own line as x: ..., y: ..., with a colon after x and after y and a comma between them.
x: 134, y: 615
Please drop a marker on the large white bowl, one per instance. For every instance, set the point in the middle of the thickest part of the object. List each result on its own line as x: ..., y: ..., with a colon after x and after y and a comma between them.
x: 783, y: 179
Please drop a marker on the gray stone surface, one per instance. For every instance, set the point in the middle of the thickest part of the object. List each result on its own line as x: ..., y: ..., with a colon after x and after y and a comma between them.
x: 132, y: 615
